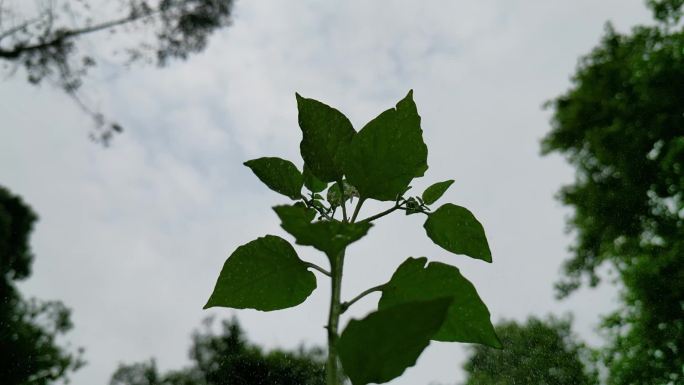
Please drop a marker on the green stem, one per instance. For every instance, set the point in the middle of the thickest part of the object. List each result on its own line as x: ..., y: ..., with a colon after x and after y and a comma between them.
x: 345, y: 305
x: 397, y: 206
x: 344, y: 201
x: 357, y: 209
x: 316, y: 267
x: 332, y: 371
x: 309, y: 204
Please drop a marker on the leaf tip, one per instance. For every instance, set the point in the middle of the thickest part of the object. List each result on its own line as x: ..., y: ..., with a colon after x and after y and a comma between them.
x: 417, y: 260
x: 497, y: 344
x: 487, y: 257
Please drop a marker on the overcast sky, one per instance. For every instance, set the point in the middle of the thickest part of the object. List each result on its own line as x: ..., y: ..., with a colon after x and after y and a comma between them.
x: 132, y: 237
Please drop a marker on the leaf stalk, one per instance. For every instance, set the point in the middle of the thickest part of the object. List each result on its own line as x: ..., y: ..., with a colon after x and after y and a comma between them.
x: 320, y: 269
x: 346, y: 305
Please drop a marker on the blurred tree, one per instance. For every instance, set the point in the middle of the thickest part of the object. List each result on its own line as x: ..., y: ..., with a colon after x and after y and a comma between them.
x: 621, y: 125
x: 229, y: 359
x: 16, y: 224
x: 669, y: 11
x: 46, y: 37
x: 28, y: 328
x: 535, y: 353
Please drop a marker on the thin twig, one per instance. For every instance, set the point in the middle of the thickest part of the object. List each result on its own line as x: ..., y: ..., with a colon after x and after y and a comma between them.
x: 357, y: 209
x: 17, y: 28
x: 396, y: 206
x: 60, y: 37
x: 316, y: 267
x: 323, y: 213
x: 347, y: 304
x: 344, y: 201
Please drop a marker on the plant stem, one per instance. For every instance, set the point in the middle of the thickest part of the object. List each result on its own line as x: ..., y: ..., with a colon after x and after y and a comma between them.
x: 345, y: 305
x: 357, y: 209
x: 397, y: 206
x: 320, y: 211
x: 344, y: 201
x: 316, y: 267
x: 332, y: 371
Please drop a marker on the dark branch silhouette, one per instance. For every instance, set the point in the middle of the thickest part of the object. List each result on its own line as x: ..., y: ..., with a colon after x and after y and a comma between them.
x: 46, y: 40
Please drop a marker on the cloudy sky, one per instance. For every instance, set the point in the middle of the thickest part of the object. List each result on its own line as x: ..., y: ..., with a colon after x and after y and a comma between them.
x: 132, y: 237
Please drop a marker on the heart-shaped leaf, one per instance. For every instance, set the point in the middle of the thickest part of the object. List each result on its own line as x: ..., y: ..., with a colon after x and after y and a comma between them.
x: 381, y: 346
x: 387, y: 153
x: 434, y: 192
x: 279, y: 175
x: 265, y: 274
x: 325, y: 134
x: 468, y: 319
x: 455, y: 229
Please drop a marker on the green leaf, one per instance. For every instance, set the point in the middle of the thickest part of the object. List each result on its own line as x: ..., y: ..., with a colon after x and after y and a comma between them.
x: 265, y: 274
x: 311, y: 182
x: 434, y: 192
x: 325, y: 134
x: 455, y: 229
x: 467, y: 320
x: 381, y: 346
x: 330, y: 237
x: 413, y: 206
x: 335, y: 197
x: 387, y: 153
x: 279, y: 175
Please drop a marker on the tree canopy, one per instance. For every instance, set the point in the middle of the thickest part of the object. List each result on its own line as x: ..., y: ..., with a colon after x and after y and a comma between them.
x: 16, y: 224
x: 621, y: 126
x: 538, y: 352
x: 28, y: 328
x: 227, y: 358
x: 46, y: 38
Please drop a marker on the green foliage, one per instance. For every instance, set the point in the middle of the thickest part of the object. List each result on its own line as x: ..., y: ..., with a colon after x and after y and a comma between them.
x: 29, y: 328
x: 620, y: 126
x: 379, y: 162
x: 337, y: 196
x: 325, y: 134
x: 279, y: 175
x: 455, y: 229
x: 381, y: 346
x: 650, y: 351
x: 666, y: 10
x: 265, y: 274
x: 16, y: 224
x: 467, y: 319
x: 385, y: 156
x: 227, y: 358
x: 312, y: 183
x: 330, y: 237
x: 434, y: 192
x: 534, y: 353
